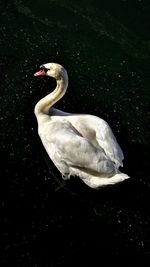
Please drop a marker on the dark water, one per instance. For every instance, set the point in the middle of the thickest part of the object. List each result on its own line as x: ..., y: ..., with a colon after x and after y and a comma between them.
x: 105, y: 47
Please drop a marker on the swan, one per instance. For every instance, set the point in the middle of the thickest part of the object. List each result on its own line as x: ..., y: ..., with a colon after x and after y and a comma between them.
x: 78, y: 144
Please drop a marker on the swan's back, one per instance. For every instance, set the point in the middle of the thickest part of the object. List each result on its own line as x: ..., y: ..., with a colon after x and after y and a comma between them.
x: 97, y: 131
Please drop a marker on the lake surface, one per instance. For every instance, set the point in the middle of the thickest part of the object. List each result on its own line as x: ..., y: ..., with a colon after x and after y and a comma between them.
x: 105, y: 47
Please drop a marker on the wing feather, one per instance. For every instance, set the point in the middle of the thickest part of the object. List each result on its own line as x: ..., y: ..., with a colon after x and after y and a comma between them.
x: 108, y: 142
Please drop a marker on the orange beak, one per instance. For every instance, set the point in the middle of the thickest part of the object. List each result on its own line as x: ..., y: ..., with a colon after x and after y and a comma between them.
x: 40, y: 73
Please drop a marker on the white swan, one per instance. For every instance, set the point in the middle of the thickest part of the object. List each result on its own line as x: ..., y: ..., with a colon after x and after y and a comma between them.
x: 79, y: 145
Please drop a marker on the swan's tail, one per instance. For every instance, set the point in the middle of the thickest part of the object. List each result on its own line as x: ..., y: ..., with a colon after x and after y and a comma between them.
x: 96, y: 182
x: 99, y: 181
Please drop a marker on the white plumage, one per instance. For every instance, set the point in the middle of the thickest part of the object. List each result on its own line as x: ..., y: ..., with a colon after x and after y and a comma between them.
x: 79, y: 145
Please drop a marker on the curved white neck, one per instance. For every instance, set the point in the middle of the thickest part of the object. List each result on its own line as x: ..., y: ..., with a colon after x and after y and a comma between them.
x: 43, y: 106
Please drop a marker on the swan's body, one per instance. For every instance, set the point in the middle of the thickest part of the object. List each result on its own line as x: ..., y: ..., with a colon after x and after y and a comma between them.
x: 81, y: 145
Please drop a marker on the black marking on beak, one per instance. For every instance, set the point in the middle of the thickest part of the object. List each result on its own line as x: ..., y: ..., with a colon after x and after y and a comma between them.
x: 42, y: 67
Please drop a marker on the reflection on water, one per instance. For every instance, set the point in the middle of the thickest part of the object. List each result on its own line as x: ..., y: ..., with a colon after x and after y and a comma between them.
x: 105, y: 48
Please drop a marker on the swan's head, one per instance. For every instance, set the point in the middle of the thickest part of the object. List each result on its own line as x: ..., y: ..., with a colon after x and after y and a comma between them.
x: 53, y: 70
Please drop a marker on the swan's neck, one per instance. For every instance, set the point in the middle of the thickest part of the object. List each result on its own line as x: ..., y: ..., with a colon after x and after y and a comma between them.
x: 43, y: 106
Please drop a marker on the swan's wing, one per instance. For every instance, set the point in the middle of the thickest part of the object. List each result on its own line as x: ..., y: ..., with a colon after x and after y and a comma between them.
x: 67, y: 148
x: 108, y: 142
